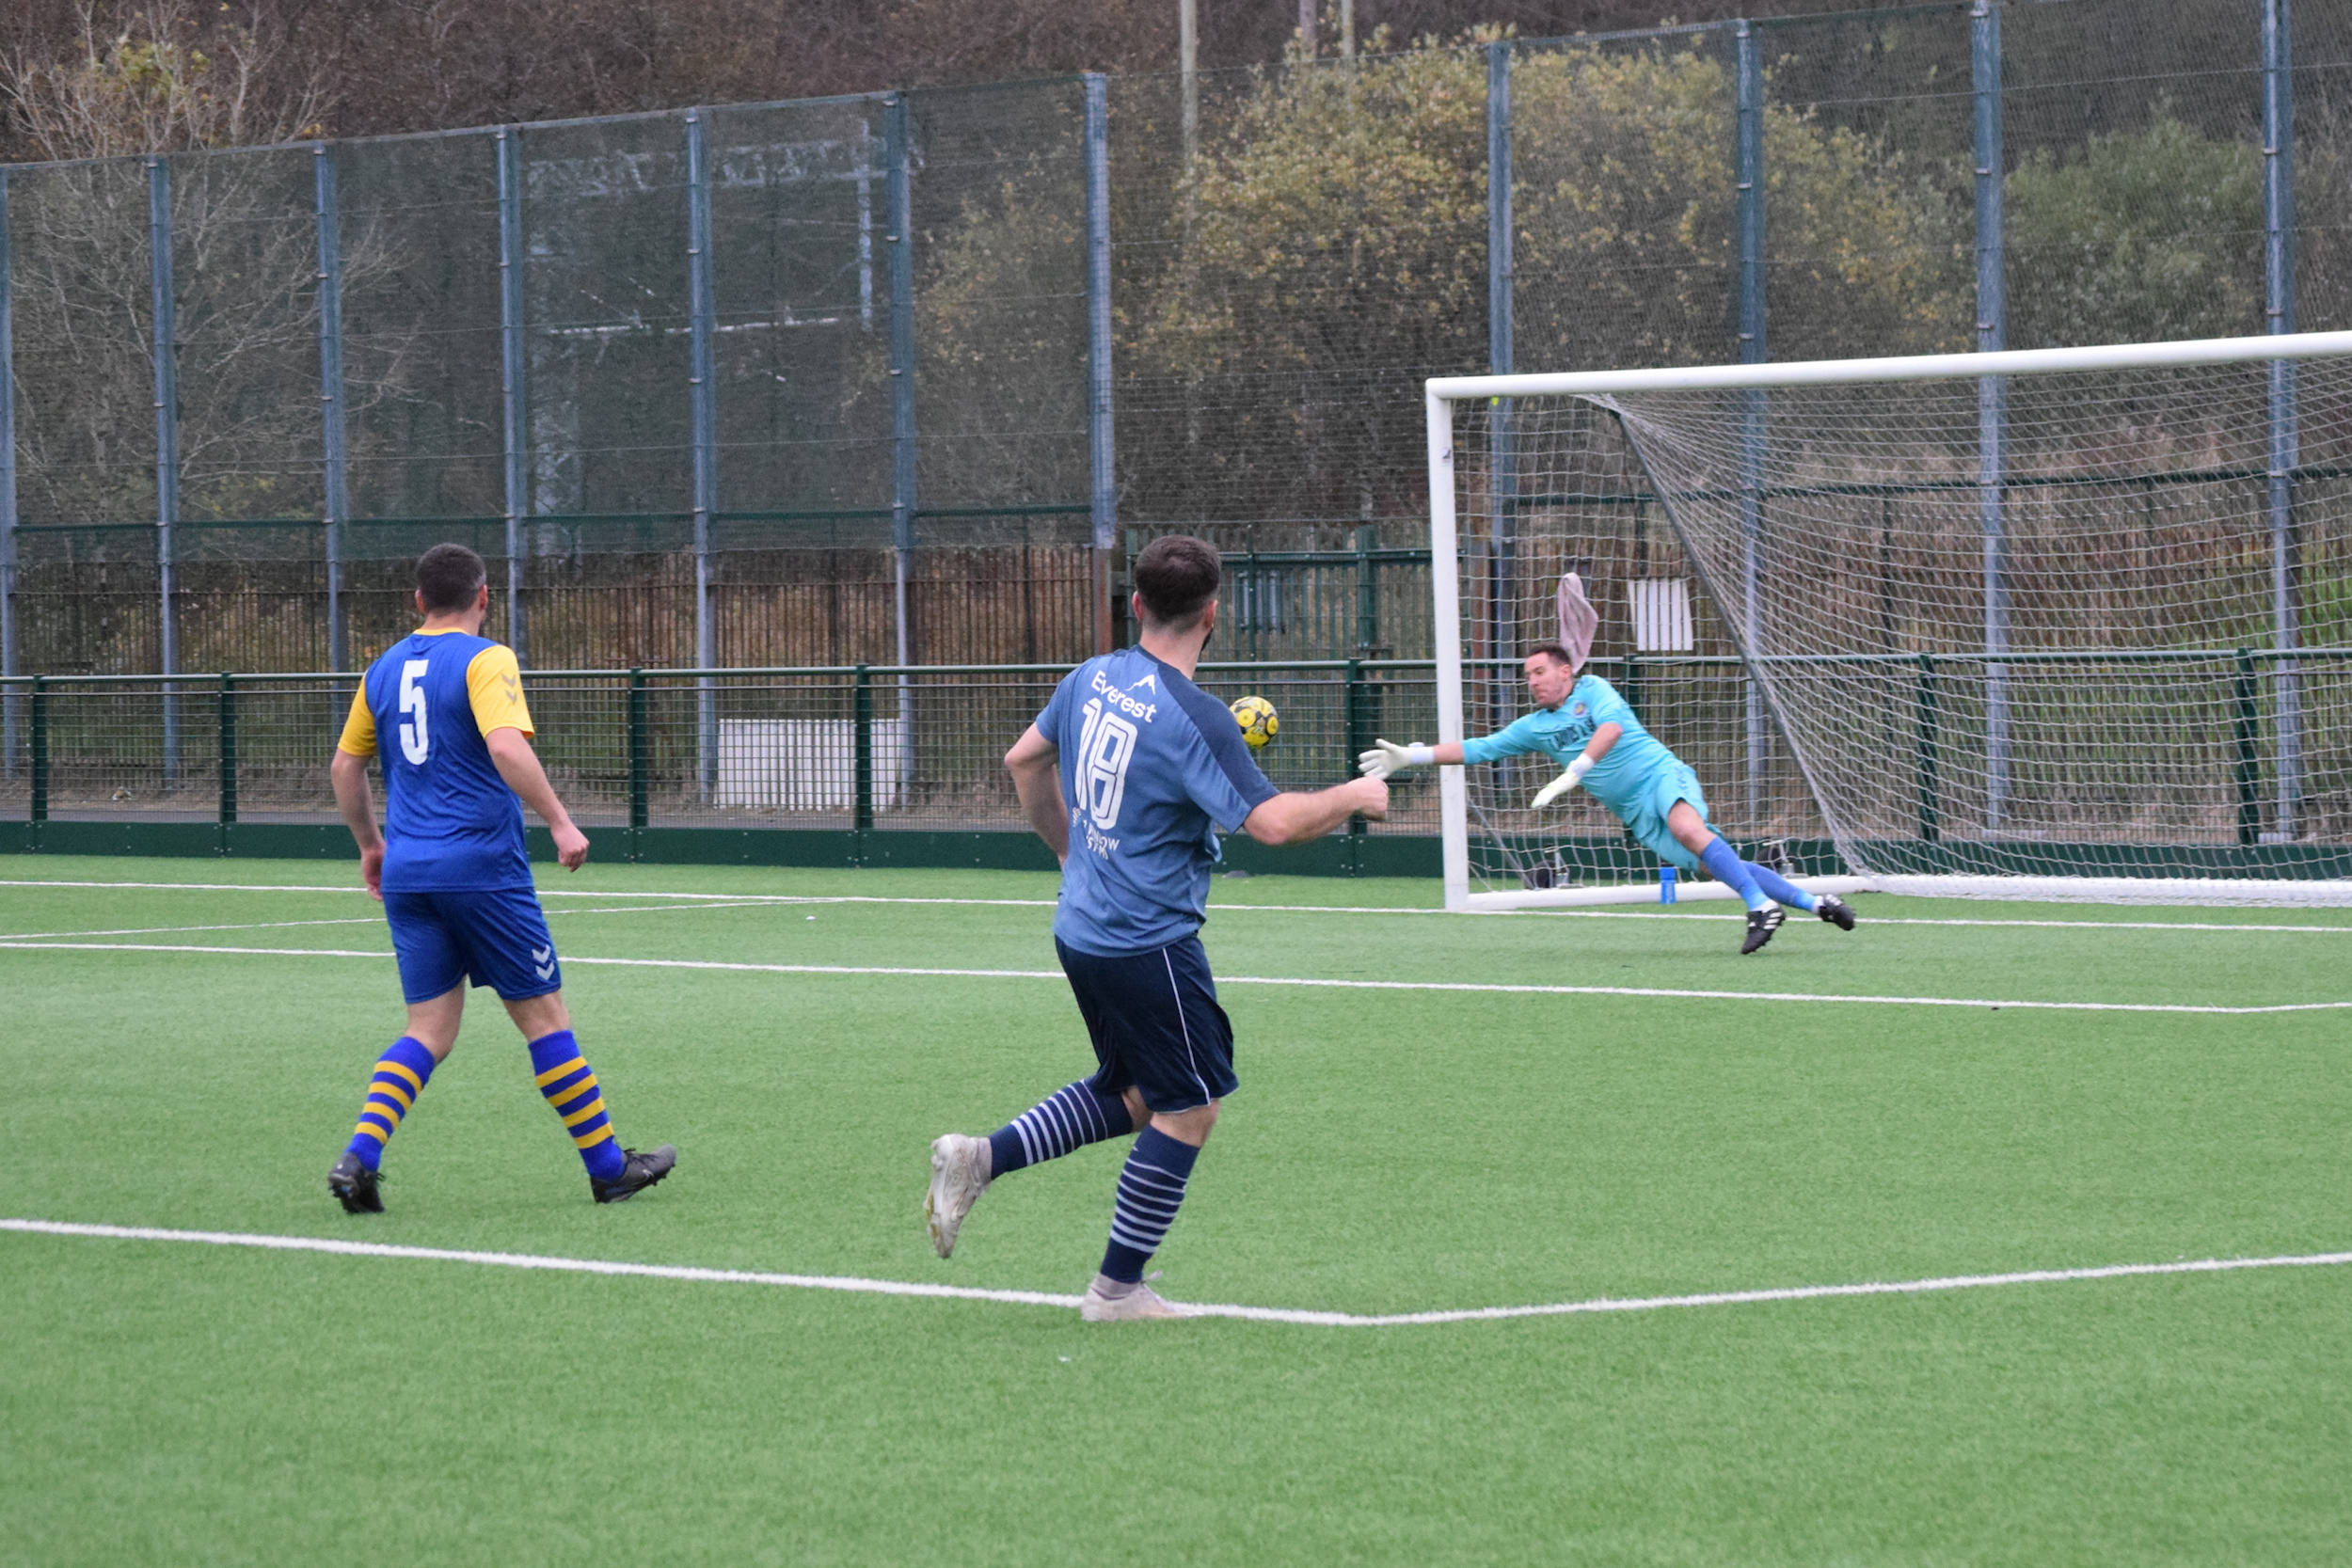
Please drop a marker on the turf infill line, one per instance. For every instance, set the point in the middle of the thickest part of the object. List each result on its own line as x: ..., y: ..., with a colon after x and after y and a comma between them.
x: 853, y: 1285
x: 1475, y: 987
x: 752, y: 900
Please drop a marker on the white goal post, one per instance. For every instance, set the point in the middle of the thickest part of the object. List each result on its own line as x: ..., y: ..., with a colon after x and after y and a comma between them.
x: 2045, y: 624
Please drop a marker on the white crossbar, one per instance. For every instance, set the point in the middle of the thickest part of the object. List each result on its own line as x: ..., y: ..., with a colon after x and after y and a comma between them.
x: 1922, y: 367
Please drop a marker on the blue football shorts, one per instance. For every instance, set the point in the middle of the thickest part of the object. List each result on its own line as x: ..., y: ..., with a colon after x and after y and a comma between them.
x: 1155, y: 1023
x: 1644, y: 813
x: 496, y: 937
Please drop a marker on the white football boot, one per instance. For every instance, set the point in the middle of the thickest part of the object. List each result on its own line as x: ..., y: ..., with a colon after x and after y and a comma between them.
x: 1136, y: 1302
x: 959, y: 1176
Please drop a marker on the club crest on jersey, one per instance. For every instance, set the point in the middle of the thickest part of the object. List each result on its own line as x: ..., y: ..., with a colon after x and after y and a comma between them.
x: 1577, y: 711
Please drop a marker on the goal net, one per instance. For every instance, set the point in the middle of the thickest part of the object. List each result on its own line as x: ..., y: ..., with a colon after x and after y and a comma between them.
x: 2056, y: 624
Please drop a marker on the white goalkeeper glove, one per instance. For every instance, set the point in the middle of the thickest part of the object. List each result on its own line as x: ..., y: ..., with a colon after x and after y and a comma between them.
x: 1387, y: 757
x: 1565, y: 782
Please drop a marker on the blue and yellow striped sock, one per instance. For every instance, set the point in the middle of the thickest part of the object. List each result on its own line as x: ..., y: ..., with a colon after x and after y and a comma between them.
x: 564, y: 1078
x: 400, y: 1077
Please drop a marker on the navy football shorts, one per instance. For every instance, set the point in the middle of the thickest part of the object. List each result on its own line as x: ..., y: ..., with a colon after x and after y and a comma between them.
x: 496, y: 937
x: 1155, y: 1023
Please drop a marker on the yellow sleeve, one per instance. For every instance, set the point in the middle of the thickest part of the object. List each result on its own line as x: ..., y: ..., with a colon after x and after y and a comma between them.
x: 494, y: 683
x: 359, y: 729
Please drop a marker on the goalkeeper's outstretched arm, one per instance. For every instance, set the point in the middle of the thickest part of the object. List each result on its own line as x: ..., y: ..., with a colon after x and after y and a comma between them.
x: 1387, y: 757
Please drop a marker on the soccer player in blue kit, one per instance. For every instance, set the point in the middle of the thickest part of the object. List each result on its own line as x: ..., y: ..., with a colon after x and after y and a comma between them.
x: 455, y: 881
x: 1585, y: 727
x: 1126, y: 775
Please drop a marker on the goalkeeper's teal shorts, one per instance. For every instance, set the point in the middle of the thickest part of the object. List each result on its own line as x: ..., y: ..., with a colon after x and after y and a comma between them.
x: 1644, y: 813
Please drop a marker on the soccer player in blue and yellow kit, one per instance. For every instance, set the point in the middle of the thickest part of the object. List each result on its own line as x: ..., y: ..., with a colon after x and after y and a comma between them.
x: 1126, y: 775
x: 454, y: 878
x: 1584, y: 726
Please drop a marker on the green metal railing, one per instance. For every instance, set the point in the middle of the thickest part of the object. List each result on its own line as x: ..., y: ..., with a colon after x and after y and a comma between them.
x: 871, y: 748
x: 908, y: 746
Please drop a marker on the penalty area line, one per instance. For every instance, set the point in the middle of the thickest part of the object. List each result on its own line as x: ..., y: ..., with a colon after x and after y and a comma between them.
x: 1474, y: 987
x: 851, y: 1284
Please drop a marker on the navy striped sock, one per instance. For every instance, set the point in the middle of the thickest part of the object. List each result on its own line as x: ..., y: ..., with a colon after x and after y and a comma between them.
x: 1073, y: 1117
x: 1149, y: 1189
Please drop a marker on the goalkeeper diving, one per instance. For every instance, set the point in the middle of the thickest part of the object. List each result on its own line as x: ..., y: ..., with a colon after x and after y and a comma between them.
x: 1585, y: 727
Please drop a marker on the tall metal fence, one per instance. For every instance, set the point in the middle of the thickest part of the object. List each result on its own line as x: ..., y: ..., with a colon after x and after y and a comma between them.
x: 903, y: 378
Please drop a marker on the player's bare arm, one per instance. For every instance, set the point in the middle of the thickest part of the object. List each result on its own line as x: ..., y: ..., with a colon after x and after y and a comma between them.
x: 1296, y: 817
x: 1035, y: 764
x: 518, y: 765
x: 356, y: 801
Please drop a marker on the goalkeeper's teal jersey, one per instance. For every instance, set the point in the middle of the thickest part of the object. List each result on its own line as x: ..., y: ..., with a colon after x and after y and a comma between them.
x: 1562, y: 734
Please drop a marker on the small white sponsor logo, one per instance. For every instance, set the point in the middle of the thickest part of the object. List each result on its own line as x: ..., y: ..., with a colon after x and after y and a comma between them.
x: 1132, y: 706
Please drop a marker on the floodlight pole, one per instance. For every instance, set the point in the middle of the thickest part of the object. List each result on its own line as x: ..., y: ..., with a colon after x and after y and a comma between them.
x: 1754, y: 403
x: 1503, y: 613
x: 1188, y: 68
x: 7, y: 493
x: 335, y: 505
x: 897, y: 151
x: 702, y: 314
x: 167, y: 442
x: 1104, y: 495
x: 898, y: 135
x: 2285, y: 443
x: 511, y: 376
x: 1991, y: 403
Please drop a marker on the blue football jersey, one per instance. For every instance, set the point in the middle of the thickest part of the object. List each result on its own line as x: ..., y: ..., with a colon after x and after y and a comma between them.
x: 1562, y: 732
x: 450, y: 823
x: 1151, y: 765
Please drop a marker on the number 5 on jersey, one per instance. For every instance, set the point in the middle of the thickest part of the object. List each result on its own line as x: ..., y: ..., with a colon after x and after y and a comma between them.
x: 413, y: 739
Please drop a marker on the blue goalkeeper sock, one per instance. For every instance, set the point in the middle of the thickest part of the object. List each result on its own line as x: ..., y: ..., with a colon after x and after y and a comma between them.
x: 1777, y: 886
x: 564, y: 1078
x: 1074, y: 1116
x: 400, y: 1076
x: 1729, y: 869
x: 1149, y: 1189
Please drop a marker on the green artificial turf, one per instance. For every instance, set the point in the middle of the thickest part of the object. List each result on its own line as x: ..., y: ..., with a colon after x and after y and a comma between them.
x: 1390, y: 1150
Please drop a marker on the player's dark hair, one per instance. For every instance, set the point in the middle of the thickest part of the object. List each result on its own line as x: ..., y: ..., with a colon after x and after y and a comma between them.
x: 449, y: 575
x: 1559, y: 654
x: 1176, y: 577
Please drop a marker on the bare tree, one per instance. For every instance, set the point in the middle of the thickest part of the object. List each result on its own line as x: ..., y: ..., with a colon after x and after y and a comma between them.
x: 171, y: 80
x: 164, y: 76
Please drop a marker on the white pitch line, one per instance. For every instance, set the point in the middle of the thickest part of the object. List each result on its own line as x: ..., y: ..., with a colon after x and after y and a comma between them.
x: 171, y: 930
x: 750, y: 900
x: 292, y: 924
x: 1464, y: 986
x: 856, y: 1284
x: 532, y: 1260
